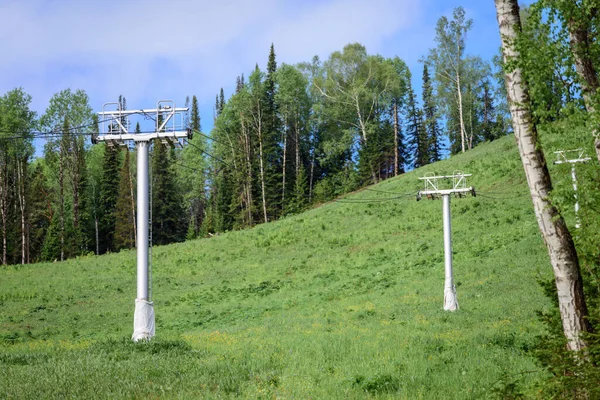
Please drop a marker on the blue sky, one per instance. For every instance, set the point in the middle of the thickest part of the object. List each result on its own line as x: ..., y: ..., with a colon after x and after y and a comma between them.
x: 148, y: 50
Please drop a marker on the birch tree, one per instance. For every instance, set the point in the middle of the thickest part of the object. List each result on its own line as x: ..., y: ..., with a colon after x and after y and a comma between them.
x: 355, y: 83
x: 16, y: 119
x: 448, y: 61
x: 69, y: 114
x: 557, y: 237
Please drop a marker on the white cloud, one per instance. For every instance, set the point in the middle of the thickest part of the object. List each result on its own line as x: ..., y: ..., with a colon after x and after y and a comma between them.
x: 148, y: 49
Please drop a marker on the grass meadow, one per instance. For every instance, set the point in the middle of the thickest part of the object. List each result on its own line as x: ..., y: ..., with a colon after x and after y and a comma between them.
x: 341, y: 302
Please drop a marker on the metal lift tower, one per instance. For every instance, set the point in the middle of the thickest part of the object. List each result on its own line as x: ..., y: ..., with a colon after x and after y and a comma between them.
x: 434, y: 191
x: 562, y: 157
x: 114, y: 130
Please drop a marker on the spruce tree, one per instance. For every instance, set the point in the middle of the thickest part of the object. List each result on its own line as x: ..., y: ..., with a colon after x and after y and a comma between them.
x: 270, y: 138
x: 168, y: 226
x: 194, y: 181
x: 489, y: 127
x: 38, y: 218
x: 124, y: 218
x: 195, y: 115
x: 431, y: 119
x: 417, y: 136
x: 109, y: 187
x: 221, y: 101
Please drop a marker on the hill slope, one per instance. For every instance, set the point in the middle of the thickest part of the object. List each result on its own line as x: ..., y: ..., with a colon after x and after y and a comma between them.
x: 341, y: 300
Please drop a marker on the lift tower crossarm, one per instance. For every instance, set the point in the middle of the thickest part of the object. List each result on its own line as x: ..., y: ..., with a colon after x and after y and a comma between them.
x: 143, y: 137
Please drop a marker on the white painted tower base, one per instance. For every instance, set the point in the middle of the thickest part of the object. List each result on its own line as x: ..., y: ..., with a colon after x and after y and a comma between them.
x: 143, y: 320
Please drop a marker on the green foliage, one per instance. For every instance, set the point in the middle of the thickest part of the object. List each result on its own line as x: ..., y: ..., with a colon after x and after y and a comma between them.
x: 459, y: 82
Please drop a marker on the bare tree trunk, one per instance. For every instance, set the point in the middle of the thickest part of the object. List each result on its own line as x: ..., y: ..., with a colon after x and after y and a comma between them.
x: 363, y: 129
x: 557, y: 237
x: 396, y: 135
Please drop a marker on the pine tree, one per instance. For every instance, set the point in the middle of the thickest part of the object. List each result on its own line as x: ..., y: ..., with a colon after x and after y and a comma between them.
x: 270, y: 139
x: 431, y: 119
x: 38, y: 215
x: 124, y: 217
x: 221, y: 102
x: 489, y: 127
x: 194, y: 181
x: 109, y: 187
x: 195, y: 115
x: 417, y: 136
x: 168, y: 226
x: 51, y: 250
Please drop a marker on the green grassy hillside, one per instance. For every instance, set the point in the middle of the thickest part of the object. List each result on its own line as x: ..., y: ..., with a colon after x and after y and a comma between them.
x: 343, y: 301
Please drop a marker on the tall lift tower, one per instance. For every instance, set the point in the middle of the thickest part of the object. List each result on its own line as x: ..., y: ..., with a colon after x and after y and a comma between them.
x: 114, y: 130
x: 436, y: 186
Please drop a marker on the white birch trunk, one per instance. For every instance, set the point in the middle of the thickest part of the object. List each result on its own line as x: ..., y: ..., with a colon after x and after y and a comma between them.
x: 262, y: 168
x: 557, y: 237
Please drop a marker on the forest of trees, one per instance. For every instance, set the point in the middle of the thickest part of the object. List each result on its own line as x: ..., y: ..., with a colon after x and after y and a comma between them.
x: 289, y: 137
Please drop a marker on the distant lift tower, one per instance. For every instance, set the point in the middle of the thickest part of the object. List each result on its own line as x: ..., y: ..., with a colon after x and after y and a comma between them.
x: 433, y: 190
x: 572, y: 157
x: 114, y: 130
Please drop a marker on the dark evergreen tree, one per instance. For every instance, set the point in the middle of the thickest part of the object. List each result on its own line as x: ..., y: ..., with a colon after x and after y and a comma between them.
x: 221, y: 101
x: 39, y: 215
x: 51, y: 249
x: 195, y: 115
x: 416, y: 133
x: 109, y: 188
x: 272, y: 153
x: 490, y: 129
x: 168, y: 219
x: 194, y: 181
x: 431, y: 119
x: 124, y: 217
